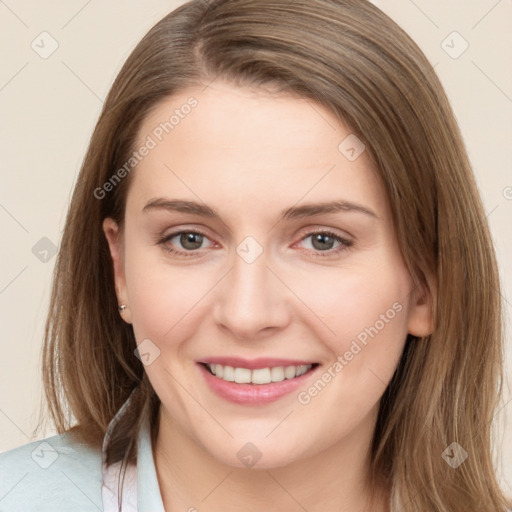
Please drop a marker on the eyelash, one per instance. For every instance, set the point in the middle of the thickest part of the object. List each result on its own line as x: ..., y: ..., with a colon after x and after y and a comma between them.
x: 345, y: 244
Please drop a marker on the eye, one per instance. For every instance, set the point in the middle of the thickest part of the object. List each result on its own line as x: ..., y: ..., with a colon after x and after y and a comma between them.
x: 323, y: 242
x: 190, y: 241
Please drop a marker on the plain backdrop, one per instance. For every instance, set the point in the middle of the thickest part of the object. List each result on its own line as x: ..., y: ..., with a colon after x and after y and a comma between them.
x: 51, y: 93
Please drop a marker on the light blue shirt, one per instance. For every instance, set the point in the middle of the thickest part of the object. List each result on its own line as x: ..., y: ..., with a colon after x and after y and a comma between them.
x: 59, y: 474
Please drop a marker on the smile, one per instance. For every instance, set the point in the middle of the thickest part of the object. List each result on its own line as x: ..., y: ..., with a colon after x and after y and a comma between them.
x: 255, y: 382
x: 259, y: 375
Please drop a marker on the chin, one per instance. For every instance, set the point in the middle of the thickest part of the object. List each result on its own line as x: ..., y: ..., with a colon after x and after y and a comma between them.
x: 264, y: 454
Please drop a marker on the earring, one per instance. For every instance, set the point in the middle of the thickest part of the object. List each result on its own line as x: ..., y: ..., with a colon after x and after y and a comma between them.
x: 122, y: 307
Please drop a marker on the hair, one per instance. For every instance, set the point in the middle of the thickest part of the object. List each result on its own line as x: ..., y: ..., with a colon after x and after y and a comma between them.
x: 352, y: 59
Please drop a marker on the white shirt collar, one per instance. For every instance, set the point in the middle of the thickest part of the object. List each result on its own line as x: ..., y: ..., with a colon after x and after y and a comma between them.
x: 141, y: 491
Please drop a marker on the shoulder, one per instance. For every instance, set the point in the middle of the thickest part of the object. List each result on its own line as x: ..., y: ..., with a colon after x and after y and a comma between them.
x: 56, y: 473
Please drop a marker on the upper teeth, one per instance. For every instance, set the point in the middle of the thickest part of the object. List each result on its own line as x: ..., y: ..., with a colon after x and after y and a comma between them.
x: 258, y: 376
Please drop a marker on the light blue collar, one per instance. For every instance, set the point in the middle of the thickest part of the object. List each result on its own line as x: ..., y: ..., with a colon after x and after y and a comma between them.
x: 141, y: 492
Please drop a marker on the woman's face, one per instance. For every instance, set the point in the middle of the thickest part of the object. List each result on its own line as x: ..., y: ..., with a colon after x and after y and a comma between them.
x: 258, y: 240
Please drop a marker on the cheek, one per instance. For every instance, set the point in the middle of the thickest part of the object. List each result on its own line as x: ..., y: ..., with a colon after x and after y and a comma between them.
x: 361, y: 315
x: 165, y: 302
x: 367, y: 312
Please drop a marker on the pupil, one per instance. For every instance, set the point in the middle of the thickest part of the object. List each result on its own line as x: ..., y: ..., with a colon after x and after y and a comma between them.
x: 325, y: 241
x: 187, y: 238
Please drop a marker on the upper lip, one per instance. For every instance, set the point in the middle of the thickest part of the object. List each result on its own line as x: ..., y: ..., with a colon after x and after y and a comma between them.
x: 253, y: 364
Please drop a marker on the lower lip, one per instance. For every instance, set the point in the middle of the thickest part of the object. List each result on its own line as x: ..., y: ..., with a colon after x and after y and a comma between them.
x: 253, y: 394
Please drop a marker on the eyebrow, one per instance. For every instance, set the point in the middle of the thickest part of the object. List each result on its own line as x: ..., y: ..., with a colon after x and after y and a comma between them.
x: 294, y: 212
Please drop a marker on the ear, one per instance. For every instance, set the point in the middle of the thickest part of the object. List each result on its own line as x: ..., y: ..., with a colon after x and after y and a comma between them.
x: 421, y: 315
x: 115, y: 242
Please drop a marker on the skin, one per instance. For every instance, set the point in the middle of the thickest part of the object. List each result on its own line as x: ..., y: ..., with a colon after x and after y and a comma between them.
x: 249, y: 154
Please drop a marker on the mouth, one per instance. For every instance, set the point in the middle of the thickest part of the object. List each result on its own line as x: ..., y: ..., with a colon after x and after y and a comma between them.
x: 255, y: 382
x: 258, y: 376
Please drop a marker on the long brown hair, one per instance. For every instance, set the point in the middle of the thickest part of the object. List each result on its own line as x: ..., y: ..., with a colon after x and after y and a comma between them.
x: 351, y: 58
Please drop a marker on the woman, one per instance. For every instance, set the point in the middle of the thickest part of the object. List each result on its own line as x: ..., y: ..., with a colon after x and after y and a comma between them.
x: 276, y: 288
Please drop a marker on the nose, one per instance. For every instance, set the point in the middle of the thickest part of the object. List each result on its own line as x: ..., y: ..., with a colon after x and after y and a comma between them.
x: 252, y: 301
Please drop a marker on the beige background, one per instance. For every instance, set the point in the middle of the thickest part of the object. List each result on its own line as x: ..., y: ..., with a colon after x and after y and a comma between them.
x: 48, y: 107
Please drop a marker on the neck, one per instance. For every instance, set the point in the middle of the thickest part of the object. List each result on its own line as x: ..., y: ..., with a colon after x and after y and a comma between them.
x: 335, y: 479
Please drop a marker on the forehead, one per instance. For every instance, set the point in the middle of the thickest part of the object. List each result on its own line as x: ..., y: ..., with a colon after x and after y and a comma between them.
x: 224, y: 141
x: 231, y: 119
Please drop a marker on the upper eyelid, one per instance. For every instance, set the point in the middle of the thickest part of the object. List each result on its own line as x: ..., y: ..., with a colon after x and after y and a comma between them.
x: 304, y: 231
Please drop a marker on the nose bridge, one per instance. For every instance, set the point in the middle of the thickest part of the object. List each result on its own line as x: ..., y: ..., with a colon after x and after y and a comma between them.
x: 251, y: 298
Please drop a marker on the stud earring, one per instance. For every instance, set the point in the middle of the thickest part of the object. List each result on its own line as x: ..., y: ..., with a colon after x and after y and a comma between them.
x: 122, y: 307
